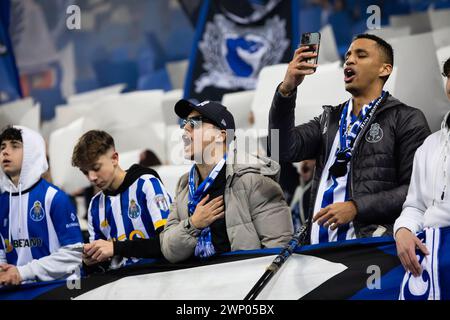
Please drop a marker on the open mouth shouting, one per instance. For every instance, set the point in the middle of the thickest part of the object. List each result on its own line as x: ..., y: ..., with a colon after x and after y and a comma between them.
x: 349, y: 74
x: 187, y: 140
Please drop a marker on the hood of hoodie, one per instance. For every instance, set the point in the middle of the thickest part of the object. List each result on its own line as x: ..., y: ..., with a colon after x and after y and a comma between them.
x: 132, y: 174
x: 34, y: 162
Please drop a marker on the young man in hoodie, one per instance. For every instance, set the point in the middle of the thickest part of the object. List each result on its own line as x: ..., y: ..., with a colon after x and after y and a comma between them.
x: 39, y: 231
x: 364, y: 147
x: 126, y: 217
x: 428, y: 202
x: 222, y: 205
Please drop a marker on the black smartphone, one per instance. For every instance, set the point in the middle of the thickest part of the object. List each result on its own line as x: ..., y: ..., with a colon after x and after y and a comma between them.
x: 312, y: 40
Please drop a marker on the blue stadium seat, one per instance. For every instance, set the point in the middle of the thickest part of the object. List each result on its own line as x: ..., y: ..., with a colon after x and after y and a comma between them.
x: 158, y: 79
x: 310, y: 19
x: 83, y: 85
x: 49, y: 99
x: 146, y: 60
x: 158, y: 51
x: 442, y: 4
x: 114, y: 72
x: 342, y: 28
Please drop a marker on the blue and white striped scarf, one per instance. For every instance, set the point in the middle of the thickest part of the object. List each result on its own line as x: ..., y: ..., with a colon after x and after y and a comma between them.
x: 338, y: 171
x: 205, y: 247
x: 348, y: 137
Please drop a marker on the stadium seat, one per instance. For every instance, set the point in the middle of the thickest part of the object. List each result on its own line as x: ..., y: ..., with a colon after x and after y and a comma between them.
x: 310, y: 19
x: 439, y: 18
x: 114, y: 72
x: 239, y: 104
x: 60, y: 148
x: 158, y: 79
x: 328, y: 51
x: 168, y: 102
x: 388, y: 33
x: 48, y: 99
x: 342, y: 28
x: 419, y: 80
x: 177, y: 73
x: 419, y: 22
x: 93, y: 95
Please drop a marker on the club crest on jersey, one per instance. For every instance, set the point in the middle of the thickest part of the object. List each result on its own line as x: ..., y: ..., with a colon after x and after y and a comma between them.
x: 134, y: 210
x: 37, y: 212
x: 161, y: 202
x: 375, y: 133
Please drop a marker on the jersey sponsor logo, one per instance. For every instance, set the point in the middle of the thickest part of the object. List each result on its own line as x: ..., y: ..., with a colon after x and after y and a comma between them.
x: 161, y: 202
x: 134, y: 210
x: 37, y: 212
x: 375, y: 133
x: 27, y: 243
x: 74, y: 223
x: 8, y: 246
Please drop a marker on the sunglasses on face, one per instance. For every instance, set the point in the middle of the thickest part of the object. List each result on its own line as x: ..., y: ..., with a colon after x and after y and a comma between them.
x: 194, y: 122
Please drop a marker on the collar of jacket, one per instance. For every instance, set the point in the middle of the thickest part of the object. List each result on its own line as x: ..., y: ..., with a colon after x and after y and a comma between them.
x: 388, y: 102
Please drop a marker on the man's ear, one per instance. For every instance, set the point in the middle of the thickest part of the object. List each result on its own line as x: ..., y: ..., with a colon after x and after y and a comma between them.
x: 221, y: 136
x: 115, y: 158
x: 385, y: 70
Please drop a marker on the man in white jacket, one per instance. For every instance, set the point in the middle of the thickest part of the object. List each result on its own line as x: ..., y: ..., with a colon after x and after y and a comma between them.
x: 40, y: 238
x: 428, y: 200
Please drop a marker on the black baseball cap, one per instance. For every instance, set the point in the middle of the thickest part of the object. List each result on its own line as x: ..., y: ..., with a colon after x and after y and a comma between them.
x: 212, y: 110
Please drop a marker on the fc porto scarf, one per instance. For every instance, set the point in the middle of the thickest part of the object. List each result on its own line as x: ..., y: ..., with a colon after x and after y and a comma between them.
x: 205, y: 247
x: 348, y: 134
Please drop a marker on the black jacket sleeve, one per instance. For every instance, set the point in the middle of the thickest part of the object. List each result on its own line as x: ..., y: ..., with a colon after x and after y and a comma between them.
x: 295, y: 143
x: 139, y: 248
x: 384, y: 207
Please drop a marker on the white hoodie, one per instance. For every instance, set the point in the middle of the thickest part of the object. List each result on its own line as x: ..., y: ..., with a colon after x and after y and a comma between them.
x: 62, y: 261
x: 428, y: 200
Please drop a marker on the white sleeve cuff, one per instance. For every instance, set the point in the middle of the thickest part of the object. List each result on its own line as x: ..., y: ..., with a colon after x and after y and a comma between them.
x: 26, y: 273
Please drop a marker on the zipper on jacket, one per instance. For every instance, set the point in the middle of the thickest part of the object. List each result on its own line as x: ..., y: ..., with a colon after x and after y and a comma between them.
x: 359, y: 137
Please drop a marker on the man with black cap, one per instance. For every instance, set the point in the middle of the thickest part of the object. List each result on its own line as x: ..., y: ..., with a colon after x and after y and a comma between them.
x: 220, y: 205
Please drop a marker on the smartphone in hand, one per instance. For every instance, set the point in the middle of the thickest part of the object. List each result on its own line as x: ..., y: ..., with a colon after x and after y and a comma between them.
x: 312, y: 40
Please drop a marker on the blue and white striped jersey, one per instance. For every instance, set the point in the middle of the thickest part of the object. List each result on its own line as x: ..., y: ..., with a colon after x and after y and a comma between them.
x: 133, y: 213
x: 36, y: 223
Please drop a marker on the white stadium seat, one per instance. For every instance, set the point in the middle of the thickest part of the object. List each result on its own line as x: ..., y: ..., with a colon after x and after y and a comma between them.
x: 168, y: 102
x: 439, y: 18
x: 239, y: 104
x: 177, y: 73
x: 418, y: 82
x: 95, y: 94
x: 61, y: 144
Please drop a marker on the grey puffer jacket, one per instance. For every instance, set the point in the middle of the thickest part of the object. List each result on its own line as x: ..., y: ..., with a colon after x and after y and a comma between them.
x: 383, y: 153
x: 256, y: 213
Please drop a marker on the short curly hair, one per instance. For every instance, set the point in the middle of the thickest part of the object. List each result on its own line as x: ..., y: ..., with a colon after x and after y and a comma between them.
x: 92, y: 145
x: 10, y: 133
